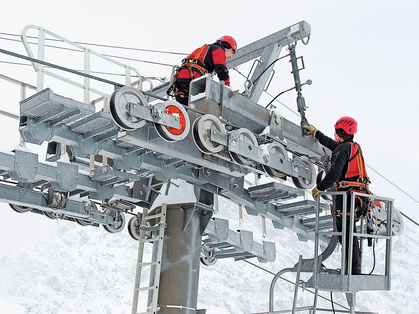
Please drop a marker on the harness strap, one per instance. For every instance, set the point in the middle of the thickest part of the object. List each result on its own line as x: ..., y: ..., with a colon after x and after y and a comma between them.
x: 363, y: 176
x: 191, y: 65
x: 199, y: 52
x: 195, y: 66
x: 356, y: 154
x: 345, y: 184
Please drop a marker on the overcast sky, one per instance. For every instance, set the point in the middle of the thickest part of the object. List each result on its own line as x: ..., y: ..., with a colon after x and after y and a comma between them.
x: 363, y: 58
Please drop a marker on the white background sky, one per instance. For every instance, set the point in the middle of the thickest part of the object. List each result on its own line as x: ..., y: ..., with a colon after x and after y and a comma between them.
x: 363, y: 58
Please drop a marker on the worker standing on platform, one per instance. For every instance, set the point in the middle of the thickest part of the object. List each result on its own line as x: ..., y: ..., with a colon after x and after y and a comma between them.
x: 348, y: 173
x: 206, y: 59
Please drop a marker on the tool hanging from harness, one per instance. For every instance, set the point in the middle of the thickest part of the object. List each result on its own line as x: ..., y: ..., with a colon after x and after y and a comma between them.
x: 194, y: 65
x: 356, y: 168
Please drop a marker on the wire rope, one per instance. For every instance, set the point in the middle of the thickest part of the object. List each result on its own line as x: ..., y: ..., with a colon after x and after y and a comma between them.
x: 101, y: 45
x: 106, y: 55
x: 13, y: 54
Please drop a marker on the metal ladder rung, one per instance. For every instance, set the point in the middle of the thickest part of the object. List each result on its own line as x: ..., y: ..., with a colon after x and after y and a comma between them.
x: 158, y: 238
x: 147, y: 264
x: 150, y: 240
x: 152, y: 217
x: 145, y: 288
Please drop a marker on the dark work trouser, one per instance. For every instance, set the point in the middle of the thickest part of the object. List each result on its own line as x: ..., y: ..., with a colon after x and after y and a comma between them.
x: 339, y: 223
x: 182, y: 91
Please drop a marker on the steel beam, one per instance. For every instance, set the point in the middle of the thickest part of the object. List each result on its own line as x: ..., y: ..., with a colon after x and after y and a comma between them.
x: 282, y: 38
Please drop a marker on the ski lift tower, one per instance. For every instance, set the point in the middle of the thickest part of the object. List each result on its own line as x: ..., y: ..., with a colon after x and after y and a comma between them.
x: 166, y: 164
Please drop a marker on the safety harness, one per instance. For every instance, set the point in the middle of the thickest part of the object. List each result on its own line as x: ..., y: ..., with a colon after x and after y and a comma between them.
x: 360, y: 186
x: 193, y: 65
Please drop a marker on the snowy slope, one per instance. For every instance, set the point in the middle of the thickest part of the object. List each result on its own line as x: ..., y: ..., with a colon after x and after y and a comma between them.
x: 87, y: 270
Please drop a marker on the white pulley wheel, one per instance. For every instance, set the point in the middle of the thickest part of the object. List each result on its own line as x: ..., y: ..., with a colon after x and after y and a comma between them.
x: 171, y: 134
x: 246, y: 136
x: 201, y: 132
x: 83, y: 222
x: 397, y: 223
x: 208, y: 261
x: 120, y: 224
x: 308, y: 165
x: 50, y: 215
x: 279, y: 150
x: 119, y: 104
x: 134, y: 227
x: 20, y: 208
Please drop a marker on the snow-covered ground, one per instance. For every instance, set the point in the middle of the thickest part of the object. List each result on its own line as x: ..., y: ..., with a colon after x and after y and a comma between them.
x: 88, y: 270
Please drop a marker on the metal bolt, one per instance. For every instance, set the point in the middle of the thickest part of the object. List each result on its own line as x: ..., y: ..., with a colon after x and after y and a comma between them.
x: 235, y: 185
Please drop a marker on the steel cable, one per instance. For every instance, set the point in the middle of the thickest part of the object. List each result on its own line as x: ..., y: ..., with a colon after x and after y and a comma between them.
x: 55, y: 66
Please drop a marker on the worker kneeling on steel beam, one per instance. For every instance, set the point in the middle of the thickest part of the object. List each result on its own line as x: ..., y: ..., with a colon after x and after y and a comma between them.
x: 348, y: 173
x: 207, y: 59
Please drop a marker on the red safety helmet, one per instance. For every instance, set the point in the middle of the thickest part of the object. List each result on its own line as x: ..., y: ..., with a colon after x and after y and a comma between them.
x: 347, y: 124
x: 230, y: 40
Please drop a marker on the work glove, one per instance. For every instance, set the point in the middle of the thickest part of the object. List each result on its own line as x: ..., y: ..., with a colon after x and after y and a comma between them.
x: 311, y: 129
x: 315, y: 192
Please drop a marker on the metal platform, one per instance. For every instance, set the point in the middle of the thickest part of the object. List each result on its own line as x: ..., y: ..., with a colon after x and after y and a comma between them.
x: 47, y: 106
x: 227, y: 243
x: 348, y: 284
x: 136, y: 156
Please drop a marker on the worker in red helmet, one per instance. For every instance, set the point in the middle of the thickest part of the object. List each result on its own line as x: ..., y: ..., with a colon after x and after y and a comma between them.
x: 206, y: 59
x: 347, y: 173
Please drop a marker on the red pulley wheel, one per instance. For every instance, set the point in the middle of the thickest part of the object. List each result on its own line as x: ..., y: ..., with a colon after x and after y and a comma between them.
x: 175, y: 111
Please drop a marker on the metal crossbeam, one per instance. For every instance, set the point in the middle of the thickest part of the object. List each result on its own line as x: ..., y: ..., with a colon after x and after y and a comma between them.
x: 237, y: 244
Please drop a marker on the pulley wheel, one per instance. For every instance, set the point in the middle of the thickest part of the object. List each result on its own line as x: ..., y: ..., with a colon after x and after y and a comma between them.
x: 201, y: 132
x: 83, y: 222
x: 20, y: 208
x: 120, y: 224
x: 171, y: 134
x: 246, y: 136
x: 208, y: 261
x: 50, y: 215
x: 134, y: 228
x: 300, y: 182
x: 280, y: 151
x: 207, y: 258
x: 119, y: 107
x: 397, y: 222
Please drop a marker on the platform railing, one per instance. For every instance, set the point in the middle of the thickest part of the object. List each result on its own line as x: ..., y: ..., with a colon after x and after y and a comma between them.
x: 23, y: 94
x: 335, y: 279
x: 41, y: 71
x: 311, y: 310
x: 362, y: 235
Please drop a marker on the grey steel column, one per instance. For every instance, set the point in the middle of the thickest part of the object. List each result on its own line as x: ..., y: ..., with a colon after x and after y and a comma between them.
x: 179, y: 277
